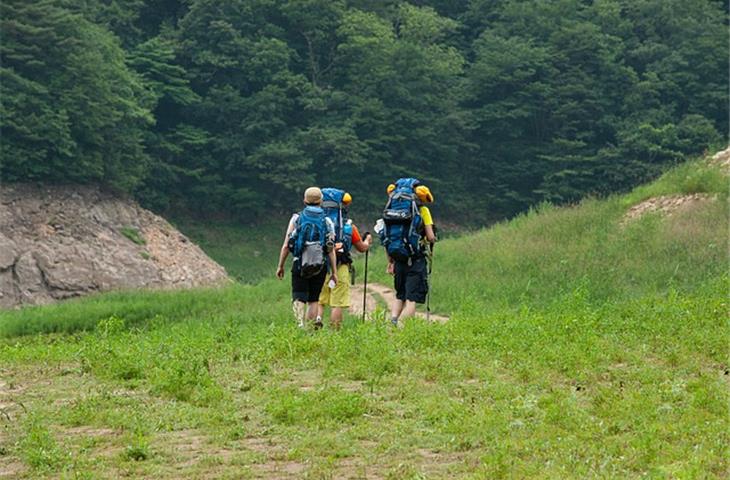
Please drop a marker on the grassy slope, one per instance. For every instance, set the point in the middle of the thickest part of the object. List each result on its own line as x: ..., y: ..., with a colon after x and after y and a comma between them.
x: 247, y: 252
x: 577, y: 348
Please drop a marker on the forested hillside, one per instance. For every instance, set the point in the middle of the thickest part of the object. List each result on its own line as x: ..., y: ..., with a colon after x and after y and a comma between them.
x: 234, y: 106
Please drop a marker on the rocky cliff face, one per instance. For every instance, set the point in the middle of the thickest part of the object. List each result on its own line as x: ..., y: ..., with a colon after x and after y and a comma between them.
x: 61, y: 242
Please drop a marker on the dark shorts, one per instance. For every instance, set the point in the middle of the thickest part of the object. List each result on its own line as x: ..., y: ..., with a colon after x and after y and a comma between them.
x: 411, y: 281
x: 307, y: 290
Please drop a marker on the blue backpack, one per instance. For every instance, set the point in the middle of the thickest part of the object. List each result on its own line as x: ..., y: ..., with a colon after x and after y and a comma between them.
x: 336, y: 211
x: 308, y: 242
x: 401, y: 236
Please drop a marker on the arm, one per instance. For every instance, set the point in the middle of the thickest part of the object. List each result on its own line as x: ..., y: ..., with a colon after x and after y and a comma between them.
x: 430, y: 235
x: 363, y: 246
x: 333, y: 261
x: 282, y: 258
x: 284, y: 251
x: 390, y: 269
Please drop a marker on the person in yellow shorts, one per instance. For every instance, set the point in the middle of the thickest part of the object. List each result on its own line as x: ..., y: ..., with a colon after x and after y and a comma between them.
x: 338, y: 298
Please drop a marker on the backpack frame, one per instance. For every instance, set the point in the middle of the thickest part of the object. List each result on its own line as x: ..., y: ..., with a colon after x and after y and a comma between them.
x: 336, y: 211
x: 401, y: 236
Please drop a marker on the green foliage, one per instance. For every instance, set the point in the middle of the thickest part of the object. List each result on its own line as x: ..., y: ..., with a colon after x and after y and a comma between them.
x: 71, y: 109
x: 328, y: 405
x: 201, y: 106
x: 133, y: 234
x: 39, y: 449
x: 138, y: 449
x: 688, y: 178
x: 583, y: 104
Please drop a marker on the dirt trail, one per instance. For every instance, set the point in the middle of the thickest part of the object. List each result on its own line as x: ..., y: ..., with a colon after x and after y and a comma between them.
x: 371, y: 303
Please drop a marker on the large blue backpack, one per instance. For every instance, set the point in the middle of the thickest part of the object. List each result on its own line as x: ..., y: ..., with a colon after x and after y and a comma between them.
x: 308, y: 242
x: 336, y: 211
x: 401, y: 236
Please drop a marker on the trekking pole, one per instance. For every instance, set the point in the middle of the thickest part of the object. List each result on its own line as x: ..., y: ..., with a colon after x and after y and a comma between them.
x: 365, y: 289
x: 428, y: 294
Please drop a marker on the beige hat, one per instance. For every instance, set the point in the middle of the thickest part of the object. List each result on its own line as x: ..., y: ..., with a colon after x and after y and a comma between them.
x: 313, y: 196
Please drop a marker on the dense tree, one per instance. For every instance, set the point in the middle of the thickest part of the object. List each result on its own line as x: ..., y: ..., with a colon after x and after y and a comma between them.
x: 71, y: 109
x: 233, y: 107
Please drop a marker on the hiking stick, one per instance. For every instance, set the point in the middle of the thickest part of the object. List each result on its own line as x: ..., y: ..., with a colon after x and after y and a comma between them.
x: 428, y: 283
x: 365, y: 286
x: 365, y: 289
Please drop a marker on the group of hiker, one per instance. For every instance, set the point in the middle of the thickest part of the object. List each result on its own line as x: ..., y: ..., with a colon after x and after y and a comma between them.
x: 321, y: 238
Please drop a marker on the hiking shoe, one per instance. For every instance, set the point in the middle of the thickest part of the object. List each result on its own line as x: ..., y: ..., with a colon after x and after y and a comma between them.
x: 318, y: 324
x: 394, y: 321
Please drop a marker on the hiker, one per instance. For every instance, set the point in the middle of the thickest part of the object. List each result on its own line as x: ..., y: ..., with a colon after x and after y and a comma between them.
x: 310, y: 238
x: 407, y: 232
x: 335, y: 204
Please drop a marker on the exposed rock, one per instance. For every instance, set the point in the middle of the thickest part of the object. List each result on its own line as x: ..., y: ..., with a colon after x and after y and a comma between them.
x: 722, y: 158
x: 29, y: 280
x: 8, y: 290
x: 665, y: 204
x: 669, y: 204
x: 8, y: 252
x: 61, y: 242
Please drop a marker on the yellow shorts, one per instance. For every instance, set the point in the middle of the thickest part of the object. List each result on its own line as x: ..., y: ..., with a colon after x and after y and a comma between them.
x: 340, y: 295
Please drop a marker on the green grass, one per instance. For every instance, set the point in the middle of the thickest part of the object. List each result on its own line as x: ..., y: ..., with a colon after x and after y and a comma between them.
x: 697, y: 176
x: 248, y: 252
x: 577, y: 348
x: 133, y: 234
x: 549, y: 253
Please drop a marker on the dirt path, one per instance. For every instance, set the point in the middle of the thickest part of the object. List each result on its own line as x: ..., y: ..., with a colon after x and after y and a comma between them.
x: 371, y: 303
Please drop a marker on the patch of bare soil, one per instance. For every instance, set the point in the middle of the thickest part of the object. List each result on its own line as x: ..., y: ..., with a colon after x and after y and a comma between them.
x: 388, y: 295
x: 309, y: 380
x: 11, y: 468
x: 356, y: 296
x: 359, y: 468
x: 666, y: 205
x: 91, y: 432
x: 186, y: 447
x: 438, y: 463
x: 304, y: 380
x: 9, y: 404
x: 274, y: 464
x: 105, y: 439
x: 4, y: 400
x: 258, y: 444
x: 279, y: 470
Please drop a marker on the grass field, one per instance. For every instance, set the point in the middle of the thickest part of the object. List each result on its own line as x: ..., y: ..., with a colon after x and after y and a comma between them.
x: 248, y: 252
x: 579, y: 346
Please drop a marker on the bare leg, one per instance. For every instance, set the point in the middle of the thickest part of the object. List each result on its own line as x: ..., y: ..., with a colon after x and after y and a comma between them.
x: 408, y: 311
x: 298, y: 309
x: 336, y: 317
x: 395, y: 309
x: 312, y: 308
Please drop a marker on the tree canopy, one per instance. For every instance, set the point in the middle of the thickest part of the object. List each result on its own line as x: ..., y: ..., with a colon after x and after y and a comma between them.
x: 233, y: 107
